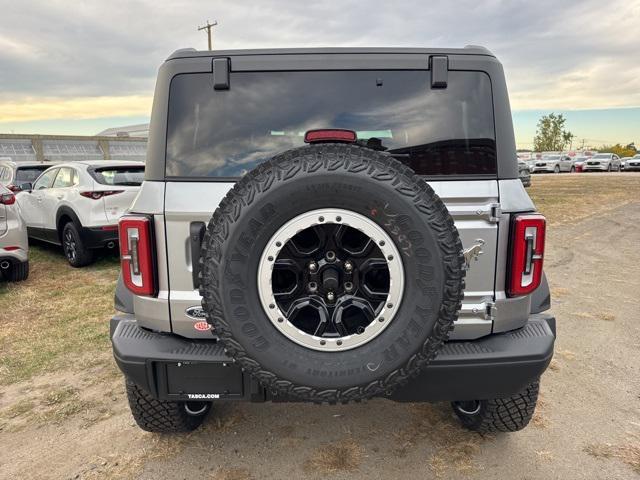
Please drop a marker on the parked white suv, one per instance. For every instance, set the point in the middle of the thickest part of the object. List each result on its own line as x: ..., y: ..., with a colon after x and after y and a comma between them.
x: 554, y: 164
x: 14, y: 248
x: 77, y: 205
x: 603, y: 162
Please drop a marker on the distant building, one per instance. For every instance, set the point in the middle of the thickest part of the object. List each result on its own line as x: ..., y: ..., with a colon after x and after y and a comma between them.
x: 68, y: 148
x: 140, y: 131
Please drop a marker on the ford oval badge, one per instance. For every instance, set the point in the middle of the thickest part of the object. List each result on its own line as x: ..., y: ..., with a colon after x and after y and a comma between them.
x: 195, y: 313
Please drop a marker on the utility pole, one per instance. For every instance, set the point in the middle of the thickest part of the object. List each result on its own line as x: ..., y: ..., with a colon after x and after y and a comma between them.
x: 208, y: 28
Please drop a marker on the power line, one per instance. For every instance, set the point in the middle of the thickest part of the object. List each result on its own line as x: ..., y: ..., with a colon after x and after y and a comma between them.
x: 208, y: 28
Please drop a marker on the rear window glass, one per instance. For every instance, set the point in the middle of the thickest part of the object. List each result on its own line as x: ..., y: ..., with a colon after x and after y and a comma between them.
x: 29, y: 174
x: 122, y: 176
x: 227, y: 133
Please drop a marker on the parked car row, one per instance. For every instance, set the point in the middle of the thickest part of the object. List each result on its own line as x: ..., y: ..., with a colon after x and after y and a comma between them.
x: 556, y: 163
x: 76, y: 205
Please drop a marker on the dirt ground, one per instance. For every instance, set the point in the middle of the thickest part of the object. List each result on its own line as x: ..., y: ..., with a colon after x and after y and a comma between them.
x: 64, y: 415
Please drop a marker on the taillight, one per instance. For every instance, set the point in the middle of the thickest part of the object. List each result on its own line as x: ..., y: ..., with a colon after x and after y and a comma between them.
x: 527, y: 252
x: 99, y: 195
x: 7, y: 199
x: 13, y: 188
x: 330, y: 135
x: 137, y: 254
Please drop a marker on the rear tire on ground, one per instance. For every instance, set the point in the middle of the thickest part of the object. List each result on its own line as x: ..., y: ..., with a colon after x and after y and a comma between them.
x: 19, y: 271
x: 78, y: 255
x: 160, y: 416
x: 609, y: 168
x: 508, y: 414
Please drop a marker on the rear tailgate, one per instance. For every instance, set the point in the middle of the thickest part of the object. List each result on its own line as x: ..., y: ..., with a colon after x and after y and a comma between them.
x: 471, y: 203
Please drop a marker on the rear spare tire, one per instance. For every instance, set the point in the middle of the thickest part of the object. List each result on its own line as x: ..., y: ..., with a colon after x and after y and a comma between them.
x: 332, y: 273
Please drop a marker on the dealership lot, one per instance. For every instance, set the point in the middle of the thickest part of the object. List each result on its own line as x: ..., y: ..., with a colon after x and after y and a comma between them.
x: 62, y: 392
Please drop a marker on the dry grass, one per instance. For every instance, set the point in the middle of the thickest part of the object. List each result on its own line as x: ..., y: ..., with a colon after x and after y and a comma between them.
x: 457, y: 447
x: 342, y: 456
x: 628, y: 453
x: 58, y: 313
x: 567, y: 199
x: 231, y: 474
x: 540, y: 418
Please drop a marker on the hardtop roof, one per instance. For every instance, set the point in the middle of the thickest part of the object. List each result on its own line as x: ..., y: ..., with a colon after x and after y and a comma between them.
x: 467, y: 50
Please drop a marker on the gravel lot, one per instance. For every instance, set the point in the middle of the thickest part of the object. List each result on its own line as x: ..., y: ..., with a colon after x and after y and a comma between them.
x: 64, y: 415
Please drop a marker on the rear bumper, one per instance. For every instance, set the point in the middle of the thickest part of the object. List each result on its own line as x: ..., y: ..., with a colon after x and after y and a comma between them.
x: 173, y: 368
x: 14, y: 256
x: 99, y: 237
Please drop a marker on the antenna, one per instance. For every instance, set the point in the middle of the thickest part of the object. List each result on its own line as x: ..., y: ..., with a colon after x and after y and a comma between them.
x: 208, y: 28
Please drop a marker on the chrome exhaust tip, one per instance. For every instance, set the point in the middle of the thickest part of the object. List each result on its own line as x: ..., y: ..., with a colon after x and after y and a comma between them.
x: 196, y: 408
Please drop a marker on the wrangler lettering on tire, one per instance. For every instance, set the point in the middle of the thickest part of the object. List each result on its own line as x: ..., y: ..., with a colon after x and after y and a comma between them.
x: 332, y: 273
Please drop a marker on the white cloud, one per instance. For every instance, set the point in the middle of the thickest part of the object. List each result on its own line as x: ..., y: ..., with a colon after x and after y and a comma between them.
x: 557, y: 54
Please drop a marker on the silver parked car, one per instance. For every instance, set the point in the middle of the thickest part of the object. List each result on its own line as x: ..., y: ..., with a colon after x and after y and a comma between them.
x: 554, y: 164
x: 14, y: 248
x: 633, y: 163
x: 524, y: 173
x: 602, y: 162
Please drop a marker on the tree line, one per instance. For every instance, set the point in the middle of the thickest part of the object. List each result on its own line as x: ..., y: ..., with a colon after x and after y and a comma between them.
x: 552, y: 136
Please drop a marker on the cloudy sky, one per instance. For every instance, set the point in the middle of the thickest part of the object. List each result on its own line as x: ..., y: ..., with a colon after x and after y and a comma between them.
x: 79, y: 67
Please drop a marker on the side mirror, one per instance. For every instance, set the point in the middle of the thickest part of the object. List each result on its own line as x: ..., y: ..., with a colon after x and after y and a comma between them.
x: 26, y: 187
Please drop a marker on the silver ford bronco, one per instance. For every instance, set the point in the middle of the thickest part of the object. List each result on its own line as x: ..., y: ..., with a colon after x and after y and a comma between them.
x: 328, y: 226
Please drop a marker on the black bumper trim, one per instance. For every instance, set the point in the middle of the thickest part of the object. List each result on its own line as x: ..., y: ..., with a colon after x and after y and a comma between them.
x: 494, y: 366
x: 96, y: 237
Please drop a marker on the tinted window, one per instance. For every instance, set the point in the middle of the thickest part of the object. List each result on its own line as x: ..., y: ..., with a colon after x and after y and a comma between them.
x: 227, y: 133
x: 66, y: 178
x: 29, y: 174
x: 45, y: 180
x: 123, y: 176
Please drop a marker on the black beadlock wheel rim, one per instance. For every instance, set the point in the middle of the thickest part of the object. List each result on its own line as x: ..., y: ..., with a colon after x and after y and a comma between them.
x: 330, y: 280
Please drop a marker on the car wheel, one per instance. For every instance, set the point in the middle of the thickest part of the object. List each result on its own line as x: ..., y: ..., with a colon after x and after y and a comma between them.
x: 332, y: 273
x: 19, y: 272
x: 556, y: 169
x: 507, y: 414
x: 573, y: 170
x: 73, y: 246
x: 609, y: 168
x: 161, y: 416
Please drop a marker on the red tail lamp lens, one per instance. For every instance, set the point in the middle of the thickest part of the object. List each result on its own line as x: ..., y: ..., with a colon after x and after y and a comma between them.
x: 527, y: 254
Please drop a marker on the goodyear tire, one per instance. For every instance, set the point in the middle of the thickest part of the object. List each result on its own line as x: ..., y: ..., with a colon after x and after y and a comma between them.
x: 376, y: 273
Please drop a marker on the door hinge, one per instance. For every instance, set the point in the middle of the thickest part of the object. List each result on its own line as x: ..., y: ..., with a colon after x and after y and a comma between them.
x: 490, y: 311
x: 495, y: 213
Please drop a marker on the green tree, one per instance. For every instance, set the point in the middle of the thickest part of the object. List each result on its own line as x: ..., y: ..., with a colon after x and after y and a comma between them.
x: 618, y: 149
x: 551, y: 134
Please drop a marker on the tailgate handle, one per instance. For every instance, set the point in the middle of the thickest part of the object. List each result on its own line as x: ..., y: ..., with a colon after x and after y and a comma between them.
x: 439, y: 71
x: 196, y: 234
x: 221, y: 74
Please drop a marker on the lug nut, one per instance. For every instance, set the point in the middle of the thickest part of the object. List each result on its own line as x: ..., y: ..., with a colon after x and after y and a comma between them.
x: 313, y: 266
x: 331, y: 296
x: 348, y: 266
